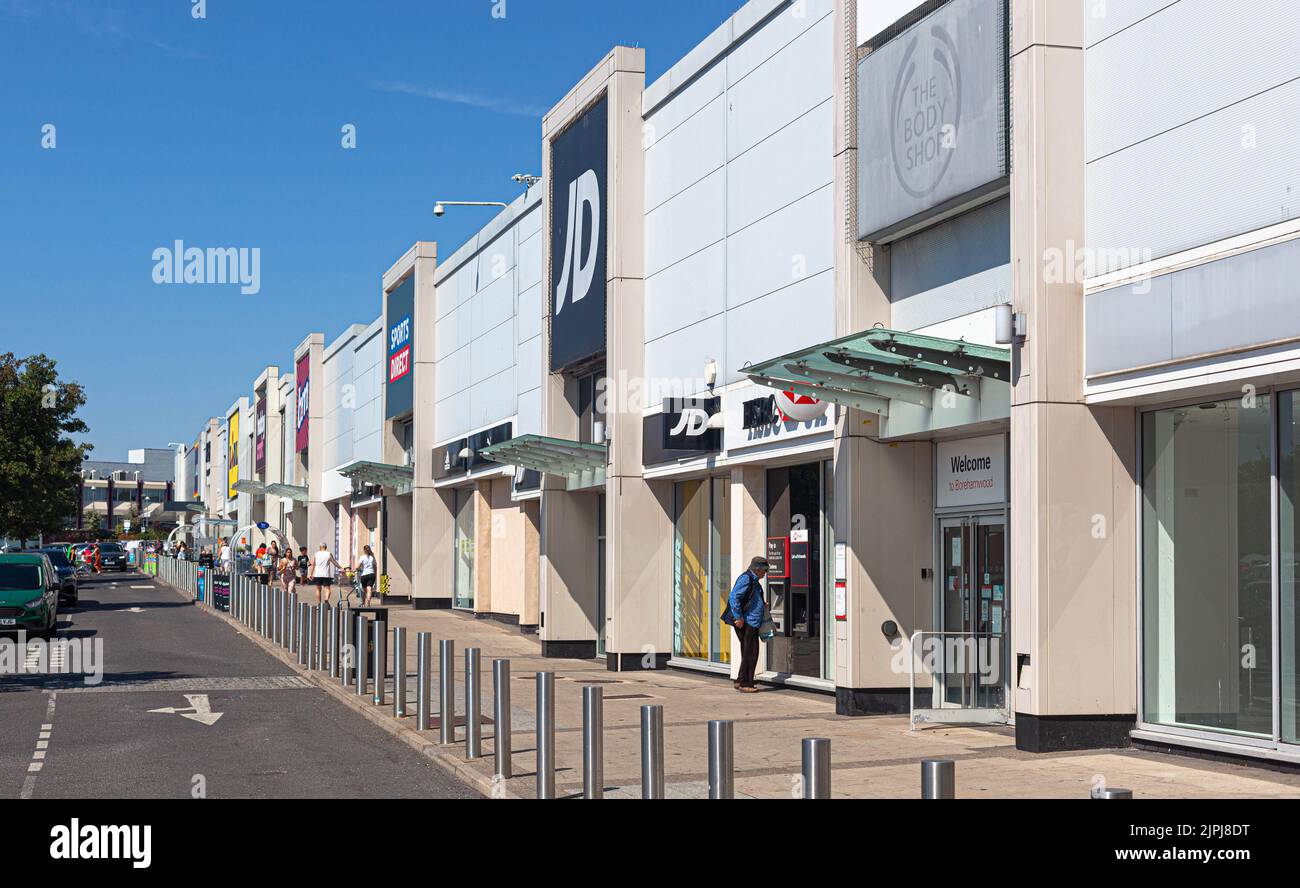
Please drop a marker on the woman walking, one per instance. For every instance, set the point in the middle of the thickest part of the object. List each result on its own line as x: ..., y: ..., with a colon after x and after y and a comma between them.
x: 288, y: 570
x: 366, y: 572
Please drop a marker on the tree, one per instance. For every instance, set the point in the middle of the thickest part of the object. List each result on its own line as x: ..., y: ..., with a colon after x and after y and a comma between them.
x: 39, y: 463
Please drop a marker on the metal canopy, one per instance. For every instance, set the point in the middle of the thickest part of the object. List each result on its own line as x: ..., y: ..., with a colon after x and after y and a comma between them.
x: 582, y: 465
x: 250, y: 486
x: 288, y: 491
x: 879, y: 369
x: 380, y: 474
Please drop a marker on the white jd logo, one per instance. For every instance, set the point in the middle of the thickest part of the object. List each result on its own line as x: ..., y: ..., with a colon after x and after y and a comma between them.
x: 584, y: 191
x: 693, y: 422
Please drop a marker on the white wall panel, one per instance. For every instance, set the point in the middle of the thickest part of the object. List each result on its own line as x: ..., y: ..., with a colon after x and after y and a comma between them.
x: 802, y: 315
x: 776, y: 92
x: 528, y: 369
x: 530, y: 312
x: 789, y: 165
x: 777, y: 33
x: 679, y: 159
x: 686, y: 293
x: 795, y: 242
x: 684, y: 225
x: 682, y: 355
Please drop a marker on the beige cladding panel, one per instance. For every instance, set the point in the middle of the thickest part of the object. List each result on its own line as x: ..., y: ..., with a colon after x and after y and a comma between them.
x: 748, y: 534
x: 401, y: 515
x: 640, y: 533
x: 568, y: 567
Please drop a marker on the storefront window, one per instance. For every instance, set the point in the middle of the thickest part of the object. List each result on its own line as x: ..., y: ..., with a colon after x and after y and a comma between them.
x: 1206, y: 566
x: 463, y: 595
x: 701, y: 569
x: 1288, y: 462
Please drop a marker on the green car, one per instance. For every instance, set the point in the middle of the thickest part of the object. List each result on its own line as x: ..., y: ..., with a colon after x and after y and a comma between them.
x: 29, y: 594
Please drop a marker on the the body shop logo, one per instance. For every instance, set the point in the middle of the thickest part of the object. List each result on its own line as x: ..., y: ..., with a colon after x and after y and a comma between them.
x: 399, y: 349
x: 584, y: 202
x: 926, y: 110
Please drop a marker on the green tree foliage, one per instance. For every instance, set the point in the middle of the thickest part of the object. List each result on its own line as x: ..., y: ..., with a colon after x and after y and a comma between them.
x: 39, y: 463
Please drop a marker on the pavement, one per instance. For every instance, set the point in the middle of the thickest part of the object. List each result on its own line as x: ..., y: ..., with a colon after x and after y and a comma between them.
x: 872, y: 757
x: 190, y: 706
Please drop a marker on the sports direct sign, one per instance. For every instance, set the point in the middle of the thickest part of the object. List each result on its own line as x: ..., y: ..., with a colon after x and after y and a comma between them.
x: 301, y: 413
x: 399, y: 349
x: 399, y: 322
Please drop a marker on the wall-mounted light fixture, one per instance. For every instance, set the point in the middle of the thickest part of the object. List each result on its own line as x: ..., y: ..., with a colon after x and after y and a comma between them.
x: 710, y: 372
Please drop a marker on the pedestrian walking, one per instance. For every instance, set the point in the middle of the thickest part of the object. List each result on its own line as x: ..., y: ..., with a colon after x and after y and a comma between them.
x: 304, y: 566
x: 225, y: 556
x: 322, y: 575
x: 288, y: 571
x: 366, y: 573
x: 745, y: 611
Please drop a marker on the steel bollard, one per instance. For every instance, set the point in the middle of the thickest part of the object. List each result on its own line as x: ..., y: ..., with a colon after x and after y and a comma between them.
x: 363, y: 676
x: 291, y: 629
x: 264, y: 603
x: 722, y: 759
x: 301, y: 634
x: 423, y: 681
x: 275, y: 614
x: 322, y: 620
x: 399, y: 671
x: 816, y: 768
x: 446, y: 691
x: 473, y: 704
x: 652, y: 751
x: 348, y: 659
x: 332, y: 634
x: 1111, y: 792
x: 546, y: 735
x: 938, y: 779
x: 379, y: 664
x: 501, y: 718
x: 593, y: 742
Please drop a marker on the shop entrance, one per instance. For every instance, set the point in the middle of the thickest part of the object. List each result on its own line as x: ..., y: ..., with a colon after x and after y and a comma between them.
x: 972, y: 612
x: 798, y: 501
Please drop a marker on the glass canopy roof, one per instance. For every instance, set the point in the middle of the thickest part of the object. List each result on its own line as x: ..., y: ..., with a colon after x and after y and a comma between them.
x: 581, y: 464
x: 380, y: 474
x: 870, y: 369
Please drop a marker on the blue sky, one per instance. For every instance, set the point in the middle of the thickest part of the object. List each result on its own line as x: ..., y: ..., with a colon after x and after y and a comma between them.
x: 226, y: 132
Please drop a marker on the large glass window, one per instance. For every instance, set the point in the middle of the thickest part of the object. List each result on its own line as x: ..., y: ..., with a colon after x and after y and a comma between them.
x: 1206, y: 566
x: 701, y: 569
x: 463, y: 591
x: 1288, y: 499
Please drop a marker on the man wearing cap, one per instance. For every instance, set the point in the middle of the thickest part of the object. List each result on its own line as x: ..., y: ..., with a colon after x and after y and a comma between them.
x: 747, y: 608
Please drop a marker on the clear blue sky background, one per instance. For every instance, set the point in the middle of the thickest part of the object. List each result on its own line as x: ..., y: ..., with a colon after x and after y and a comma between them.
x: 226, y: 132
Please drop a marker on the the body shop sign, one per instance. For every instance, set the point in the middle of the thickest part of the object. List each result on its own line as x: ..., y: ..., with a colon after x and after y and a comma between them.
x: 932, y: 116
x: 971, y: 472
x: 400, y: 344
x: 303, y: 403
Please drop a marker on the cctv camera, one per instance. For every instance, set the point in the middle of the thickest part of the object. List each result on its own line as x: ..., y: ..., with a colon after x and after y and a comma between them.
x: 439, y: 209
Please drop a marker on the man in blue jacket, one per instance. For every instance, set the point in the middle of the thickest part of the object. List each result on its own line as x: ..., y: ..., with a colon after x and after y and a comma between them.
x: 747, y: 607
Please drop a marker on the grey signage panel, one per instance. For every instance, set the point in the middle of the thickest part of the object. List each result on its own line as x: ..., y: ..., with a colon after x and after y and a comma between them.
x: 932, y: 116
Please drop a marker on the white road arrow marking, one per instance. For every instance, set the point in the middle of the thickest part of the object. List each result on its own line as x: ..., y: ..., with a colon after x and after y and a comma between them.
x: 135, y: 610
x: 199, y: 710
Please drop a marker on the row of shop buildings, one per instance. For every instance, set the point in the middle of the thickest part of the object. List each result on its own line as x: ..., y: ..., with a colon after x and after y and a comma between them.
x: 977, y: 322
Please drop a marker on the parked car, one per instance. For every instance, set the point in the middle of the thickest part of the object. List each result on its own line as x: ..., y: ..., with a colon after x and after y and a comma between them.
x: 68, y: 587
x: 29, y: 593
x: 113, y: 557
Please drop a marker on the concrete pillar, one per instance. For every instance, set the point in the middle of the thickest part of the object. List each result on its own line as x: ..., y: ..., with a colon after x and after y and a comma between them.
x: 748, y: 538
x: 1073, y: 467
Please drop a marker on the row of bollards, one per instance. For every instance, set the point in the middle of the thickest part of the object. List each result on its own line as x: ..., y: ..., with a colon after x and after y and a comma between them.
x: 353, y: 649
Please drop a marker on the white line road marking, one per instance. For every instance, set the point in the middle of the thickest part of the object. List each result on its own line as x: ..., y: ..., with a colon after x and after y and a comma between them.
x: 42, y: 745
x: 143, y: 587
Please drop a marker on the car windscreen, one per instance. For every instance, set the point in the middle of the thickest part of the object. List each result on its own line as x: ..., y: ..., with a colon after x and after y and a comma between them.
x: 110, y: 548
x: 19, y: 577
x: 58, y: 557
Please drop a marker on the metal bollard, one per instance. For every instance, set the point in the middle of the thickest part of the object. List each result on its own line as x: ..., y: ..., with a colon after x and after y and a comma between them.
x: 938, y: 779
x: 304, y: 639
x: 546, y: 735
x: 446, y: 691
x: 722, y: 759
x: 1111, y: 792
x: 348, y: 659
x: 276, y: 594
x: 322, y: 620
x: 652, y: 751
x: 593, y: 742
x: 379, y: 665
x: 363, y: 676
x: 501, y: 718
x: 423, y: 681
x: 473, y: 704
x: 264, y: 599
x: 291, y: 629
x: 332, y: 638
x: 816, y: 768
x: 399, y: 671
